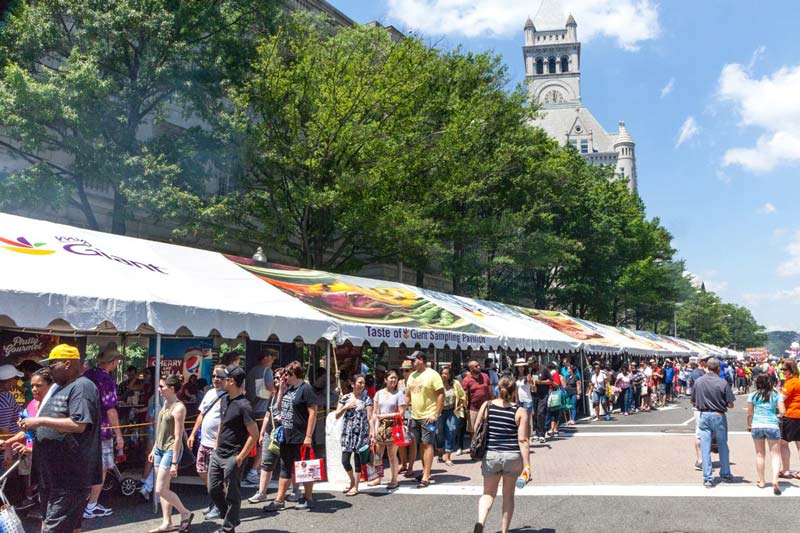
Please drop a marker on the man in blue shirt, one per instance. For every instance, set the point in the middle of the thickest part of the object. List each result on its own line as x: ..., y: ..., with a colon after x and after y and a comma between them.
x: 669, y: 381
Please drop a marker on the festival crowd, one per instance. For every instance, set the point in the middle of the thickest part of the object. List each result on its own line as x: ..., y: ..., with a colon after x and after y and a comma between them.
x: 253, y: 426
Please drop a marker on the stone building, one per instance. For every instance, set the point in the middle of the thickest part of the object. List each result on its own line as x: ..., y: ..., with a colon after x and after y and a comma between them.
x: 553, y: 74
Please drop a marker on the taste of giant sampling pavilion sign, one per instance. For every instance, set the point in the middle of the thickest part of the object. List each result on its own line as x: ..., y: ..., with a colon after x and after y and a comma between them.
x: 16, y: 346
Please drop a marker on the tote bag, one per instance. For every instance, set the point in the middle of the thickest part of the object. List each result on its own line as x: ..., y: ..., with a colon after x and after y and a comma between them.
x: 309, y: 469
x: 9, y: 520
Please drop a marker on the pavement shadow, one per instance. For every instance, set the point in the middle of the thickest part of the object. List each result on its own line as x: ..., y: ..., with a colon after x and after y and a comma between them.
x: 528, y: 529
x: 326, y: 503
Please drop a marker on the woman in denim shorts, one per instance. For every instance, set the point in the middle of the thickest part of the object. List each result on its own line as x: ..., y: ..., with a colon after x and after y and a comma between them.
x: 507, y: 451
x: 763, y: 406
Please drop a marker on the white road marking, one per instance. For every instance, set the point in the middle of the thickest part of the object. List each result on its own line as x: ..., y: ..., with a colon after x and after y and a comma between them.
x: 587, y: 434
x: 721, y: 490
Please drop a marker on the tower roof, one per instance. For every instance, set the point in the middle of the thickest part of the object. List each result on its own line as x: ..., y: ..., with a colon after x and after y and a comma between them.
x: 571, y: 21
x: 529, y: 23
x: 623, y: 136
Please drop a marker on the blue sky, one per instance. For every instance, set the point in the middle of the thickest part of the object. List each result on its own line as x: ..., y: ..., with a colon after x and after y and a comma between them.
x: 710, y: 91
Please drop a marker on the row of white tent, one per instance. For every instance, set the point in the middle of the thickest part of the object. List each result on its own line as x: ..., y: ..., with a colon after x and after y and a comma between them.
x: 59, y: 277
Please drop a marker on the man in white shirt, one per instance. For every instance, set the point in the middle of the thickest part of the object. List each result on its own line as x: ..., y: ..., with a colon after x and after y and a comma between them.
x: 208, y: 424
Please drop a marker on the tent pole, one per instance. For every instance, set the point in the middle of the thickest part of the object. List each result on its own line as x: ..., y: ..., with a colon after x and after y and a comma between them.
x: 156, y: 392
x: 328, y: 348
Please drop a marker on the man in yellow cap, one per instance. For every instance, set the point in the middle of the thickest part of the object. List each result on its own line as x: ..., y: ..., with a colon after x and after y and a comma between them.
x: 67, y: 450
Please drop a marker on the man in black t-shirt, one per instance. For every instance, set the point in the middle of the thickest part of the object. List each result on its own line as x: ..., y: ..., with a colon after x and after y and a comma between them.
x: 67, y: 450
x: 543, y: 382
x: 238, y: 433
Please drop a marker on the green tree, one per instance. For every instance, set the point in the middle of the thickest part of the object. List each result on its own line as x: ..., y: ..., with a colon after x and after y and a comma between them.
x: 743, y: 329
x: 702, y: 318
x: 86, y: 88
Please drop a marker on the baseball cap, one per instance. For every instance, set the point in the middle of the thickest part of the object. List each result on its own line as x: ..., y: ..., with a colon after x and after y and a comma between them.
x: 407, y: 364
x: 8, y: 372
x: 109, y: 353
x: 417, y: 354
x: 236, y: 373
x: 62, y: 352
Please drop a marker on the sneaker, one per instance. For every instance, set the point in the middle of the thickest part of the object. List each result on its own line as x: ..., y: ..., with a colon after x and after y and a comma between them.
x: 274, y: 506
x: 247, y: 484
x: 253, y: 477
x: 728, y: 479
x: 542, y: 440
x: 708, y: 484
x: 303, y: 504
x: 213, y: 514
x: 257, y: 498
x: 27, y: 503
x: 97, y: 512
x: 294, y: 497
x: 698, y: 466
x: 593, y: 419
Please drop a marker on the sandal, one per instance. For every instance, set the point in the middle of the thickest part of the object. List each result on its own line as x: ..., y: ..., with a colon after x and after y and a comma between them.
x: 186, y: 522
x: 374, y: 483
x: 351, y: 492
x: 409, y: 473
x: 345, y: 491
x: 786, y: 474
x: 423, y: 484
x: 393, y: 485
x: 162, y: 529
x: 761, y: 484
x: 448, y: 463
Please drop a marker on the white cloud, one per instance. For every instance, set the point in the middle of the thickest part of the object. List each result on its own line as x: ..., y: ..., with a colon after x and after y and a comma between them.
x: 769, y: 103
x: 689, y: 129
x: 767, y: 209
x: 629, y: 22
x: 791, y: 267
x: 666, y: 89
x: 781, y: 295
x: 723, y: 177
x: 758, y: 54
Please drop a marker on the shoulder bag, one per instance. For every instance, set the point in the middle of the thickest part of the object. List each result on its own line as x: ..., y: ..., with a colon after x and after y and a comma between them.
x: 477, y: 448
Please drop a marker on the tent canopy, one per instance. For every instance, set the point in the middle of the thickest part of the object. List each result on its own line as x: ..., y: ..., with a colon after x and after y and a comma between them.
x: 71, y: 278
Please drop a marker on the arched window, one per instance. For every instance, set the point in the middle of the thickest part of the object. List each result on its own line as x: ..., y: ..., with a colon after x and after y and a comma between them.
x: 565, y: 64
x: 551, y: 65
x: 539, y: 66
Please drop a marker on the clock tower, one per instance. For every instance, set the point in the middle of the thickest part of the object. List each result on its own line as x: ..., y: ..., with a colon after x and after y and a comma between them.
x: 553, y: 73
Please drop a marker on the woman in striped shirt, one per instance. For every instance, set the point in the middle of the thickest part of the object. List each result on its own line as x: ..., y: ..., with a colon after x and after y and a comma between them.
x: 507, y: 451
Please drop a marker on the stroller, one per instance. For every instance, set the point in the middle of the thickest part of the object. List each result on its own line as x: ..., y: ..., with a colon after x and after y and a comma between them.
x: 9, y: 520
x: 115, y: 480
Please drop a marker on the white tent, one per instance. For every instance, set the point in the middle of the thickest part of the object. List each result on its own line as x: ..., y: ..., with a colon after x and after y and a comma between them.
x: 57, y: 276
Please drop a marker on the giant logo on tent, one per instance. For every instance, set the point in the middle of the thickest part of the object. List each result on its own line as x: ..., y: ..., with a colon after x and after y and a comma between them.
x: 24, y: 246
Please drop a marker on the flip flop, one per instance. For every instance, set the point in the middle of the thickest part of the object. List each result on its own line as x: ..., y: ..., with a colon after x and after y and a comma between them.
x: 786, y: 474
x: 351, y: 492
x: 423, y: 484
x: 186, y: 522
x: 392, y: 486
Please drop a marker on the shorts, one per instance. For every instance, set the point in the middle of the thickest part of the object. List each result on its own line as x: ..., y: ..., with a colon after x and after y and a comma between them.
x: 473, y: 416
x: 668, y: 388
x: 203, y: 459
x: 62, y: 509
x: 108, y: 454
x: 765, y: 433
x: 661, y: 388
x: 421, y: 431
x: 598, y: 397
x: 289, y: 454
x: 528, y: 406
x: 501, y: 463
x: 270, y: 462
x: 162, y: 458
x: 696, y: 423
x: 790, y: 429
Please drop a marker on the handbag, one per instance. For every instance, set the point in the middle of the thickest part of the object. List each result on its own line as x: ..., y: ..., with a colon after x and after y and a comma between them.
x: 309, y: 469
x: 9, y: 520
x: 374, y: 468
x: 477, y: 447
x: 187, y: 455
x: 554, y: 399
x: 275, y: 440
x: 400, y: 434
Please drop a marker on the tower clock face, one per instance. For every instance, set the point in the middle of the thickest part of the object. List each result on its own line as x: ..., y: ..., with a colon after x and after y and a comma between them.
x: 553, y: 97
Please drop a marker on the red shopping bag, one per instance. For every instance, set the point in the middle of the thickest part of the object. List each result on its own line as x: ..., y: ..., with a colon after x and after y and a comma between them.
x: 374, y: 468
x: 309, y: 469
x: 401, y: 436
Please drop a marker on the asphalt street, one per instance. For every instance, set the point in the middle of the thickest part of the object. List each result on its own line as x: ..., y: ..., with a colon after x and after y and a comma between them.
x: 630, y: 474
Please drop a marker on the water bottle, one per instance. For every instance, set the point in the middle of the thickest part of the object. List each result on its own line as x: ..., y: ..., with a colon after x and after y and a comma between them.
x: 524, y: 477
x: 30, y: 435
x: 432, y: 427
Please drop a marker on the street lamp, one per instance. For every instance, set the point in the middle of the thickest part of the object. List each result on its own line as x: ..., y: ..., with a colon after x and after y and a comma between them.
x: 260, y: 256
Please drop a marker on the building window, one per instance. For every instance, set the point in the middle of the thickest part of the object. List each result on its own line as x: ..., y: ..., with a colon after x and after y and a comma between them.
x: 584, y: 146
x: 539, y: 66
x: 551, y: 65
x: 574, y: 142
x: 565, y: 64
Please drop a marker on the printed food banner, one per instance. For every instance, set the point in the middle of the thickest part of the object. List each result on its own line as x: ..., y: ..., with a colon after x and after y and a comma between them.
x: 593, y: 340
x: 631, y: 346
x: 641, y: 339
x: 374, y: 310
x: 16, y: 346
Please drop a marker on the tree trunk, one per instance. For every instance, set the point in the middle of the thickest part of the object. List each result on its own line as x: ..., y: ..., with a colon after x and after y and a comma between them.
x: 420, y: 280
x: 119, y: 214
x: 86, y: 207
